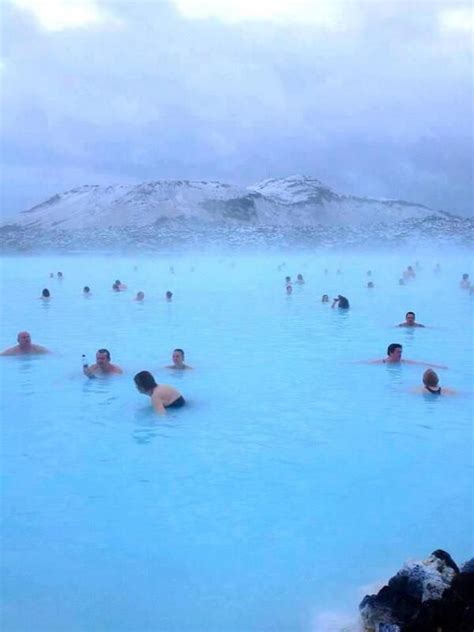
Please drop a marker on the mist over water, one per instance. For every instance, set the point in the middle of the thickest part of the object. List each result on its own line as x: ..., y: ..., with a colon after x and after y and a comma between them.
x: 293, y: 477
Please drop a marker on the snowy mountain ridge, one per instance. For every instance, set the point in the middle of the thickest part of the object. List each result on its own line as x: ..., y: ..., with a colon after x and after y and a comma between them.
x: 291, y: 201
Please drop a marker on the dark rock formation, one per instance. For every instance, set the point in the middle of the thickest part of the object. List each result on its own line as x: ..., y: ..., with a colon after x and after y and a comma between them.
x: 428, y: 596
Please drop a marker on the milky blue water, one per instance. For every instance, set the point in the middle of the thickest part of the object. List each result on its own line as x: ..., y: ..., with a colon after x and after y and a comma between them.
x: 293, y: 478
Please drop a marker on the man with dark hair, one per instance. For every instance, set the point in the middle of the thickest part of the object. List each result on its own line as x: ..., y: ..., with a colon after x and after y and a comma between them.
x: 102, y: 366
x: 394, y: 356
x: 410, y: 321
x: 162, y: 396
x: 341, y: 302
x: 178, y: 361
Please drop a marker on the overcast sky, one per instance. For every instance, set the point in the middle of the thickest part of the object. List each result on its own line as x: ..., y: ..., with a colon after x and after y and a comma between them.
x: 372, y: 98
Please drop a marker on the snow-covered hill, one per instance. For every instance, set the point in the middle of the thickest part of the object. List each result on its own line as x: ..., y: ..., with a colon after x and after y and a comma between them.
x: 296, y: 209
x: 292, y: 201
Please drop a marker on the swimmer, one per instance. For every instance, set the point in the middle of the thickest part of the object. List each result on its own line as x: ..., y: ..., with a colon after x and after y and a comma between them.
x: 59, y: 275
x: 45, y: 294
x: 401, y: 281
x: 341, y: 302
x: 287, y: 280
x: 162, y: 395
x: 465, y: 283
x: 324, y: 298
x: 410, y: 321
x: 369, y: 272
x: 86, y: 291
x: 431, y: 385
x: 289, y: 289
x: 169, y: 296
x: 118, y: 286
x: 394, y: 356
x: 140, y: 296
x: 299, y: 279
x: 51, y: 275
x: 411, y: 273
x: 171, y: 270
x: 102, y: 366
x: 370, y: 285
x: 24, y: 346
x: 178, y: 361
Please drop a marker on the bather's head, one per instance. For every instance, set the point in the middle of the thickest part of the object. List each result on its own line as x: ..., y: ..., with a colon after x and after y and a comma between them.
x: 145, y: 382
x: 430, y: 378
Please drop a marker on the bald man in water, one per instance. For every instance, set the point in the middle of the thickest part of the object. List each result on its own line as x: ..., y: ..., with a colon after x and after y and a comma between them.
x: 24, y: 346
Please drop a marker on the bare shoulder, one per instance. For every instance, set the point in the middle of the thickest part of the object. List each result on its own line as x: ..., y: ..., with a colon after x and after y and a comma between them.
x: 10, y: 351
x: 117, y: 369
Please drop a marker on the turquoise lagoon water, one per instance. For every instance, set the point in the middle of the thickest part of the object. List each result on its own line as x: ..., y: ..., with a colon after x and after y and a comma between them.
x: 294, y: 477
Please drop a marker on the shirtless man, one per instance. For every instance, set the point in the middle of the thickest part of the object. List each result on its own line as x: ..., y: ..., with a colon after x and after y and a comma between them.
x: 410, y: 321
x: 431, y: 385
x: 102, y: 366
x: 178, y: 361
x: 394, y: 356
x: 24, y: 346
x: 162, y: 395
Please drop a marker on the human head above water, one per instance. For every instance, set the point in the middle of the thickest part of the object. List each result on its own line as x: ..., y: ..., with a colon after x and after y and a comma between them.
x: 430, y: 378
x: 410, y: 317
x: 145, y: 381
x: 24, y: 339
x: 45, y: 293
x: 178, y: 355
x: 102, y: 356
x: 86, y: 289
x: 395, y: 347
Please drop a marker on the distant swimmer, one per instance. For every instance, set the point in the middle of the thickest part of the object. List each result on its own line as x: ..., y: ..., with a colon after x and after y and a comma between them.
x: 139, y: 297
x: 401, y: 281
x: 341, y: 302
x: 102, y: 366
x: 324, y: 298
x: 394, y: 356
x: 60, y: 275
x: 45, y: 294
x: 369, y: 272
x: 171, y: 269
x: 51, y: 275
x: 86, y: 291
x: 169, y: 296
x: 287, y: 280
x: 178, y: 361
x: 162, y: 396
x: 431, y: 385
x: 465, y: 283
x: 289, y: 289
x: 299, y: 279
x: 24, y: 346
x: 118, y: 286
x: 410, y: 321
x: 370, y: 285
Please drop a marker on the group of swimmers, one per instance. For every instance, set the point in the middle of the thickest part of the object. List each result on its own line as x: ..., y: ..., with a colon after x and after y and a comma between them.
x: 164, y: 396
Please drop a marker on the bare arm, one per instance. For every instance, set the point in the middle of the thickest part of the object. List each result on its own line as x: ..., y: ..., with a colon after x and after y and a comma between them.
x: 157, y: 404
x: 428, y: 364
x: 89, y: 370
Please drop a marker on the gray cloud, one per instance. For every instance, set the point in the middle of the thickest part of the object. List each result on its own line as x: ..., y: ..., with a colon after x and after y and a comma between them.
x: 383, y: 110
